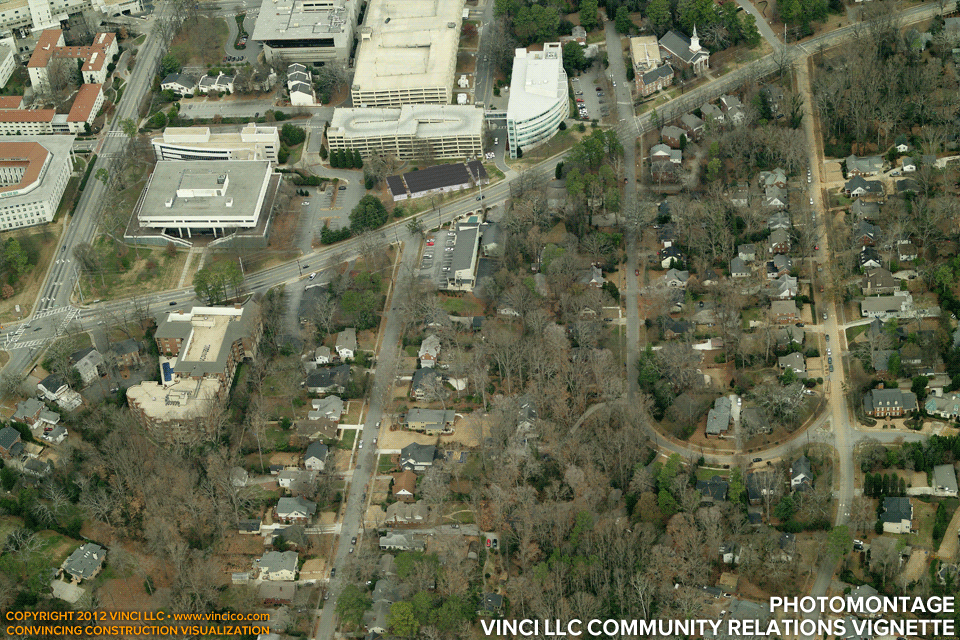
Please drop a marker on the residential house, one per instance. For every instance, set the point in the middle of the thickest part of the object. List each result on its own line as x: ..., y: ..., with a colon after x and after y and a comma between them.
x: 674, y: 328
x: 779, y: 220
x: 865, y: 209
x: 783, y: 288
x: 84, y: 563
x: 859, y: 595
x: 901, y: 144
x: 386, y: 589
x: 277, y: 593
x: 779, y: 241
x: 322, y: 355
x: 34, y: 413
x: 879, y: 282
x: 377, y: 620
x: 54, y: 435
x: 180, y: 84
x: 592, y: 277
x: 278, y: 565
x: 857, y: 186
x: 315, y: 457
x: 407, y: 513
x: 888, y: 403
x: 327, y: 408
x: 738, y: 269
x: 404, y: 486
x: 747, y: 252
x: 866, y: 234
x: 899, y: 305
x: 755, y: 420
x: 775, y: 178
x: 709, y: 278
x: 908, y: 164
x: 718, y: 418
x: 865, y: 166
x: 297, y: 510
x: 869, y: 258
x: 730, y: 553
x: 692, y: 125
x: 431, y: 422
x: 491, y: 605
x: 426, y: 383
x: 52, y: 387
x: 754, y: 492
x: 945, y: 481
x: 790, y: 334
x: 417, y: 457
x: 126, y: 353
x: 291, y: 478
x: 733, y: 108
x: 250, y: 526
x: 661, y: 153
x: 788, y: 546
x: 347, y: 343
x: 897, y: 515
x: 778, y: 267
x: 429, y: 350
x: 11, y: 445
x: 880, y: 360
x: 740, y: 197
x: 906, y: 185
x: 795, y: 362
x: 682, y: 52
x: 676, y: 279
x: 712, y: 112
x: 89, y: 363
x: 801, y: 475
x: 220, y: 83
x: 670, y: 135
x: 784, y: 311
x: 329, y: 380
x: 945, y: 406
x: 669, y: 255
x: 400, y: 542
x: 775, y: 197
x: 906, y: 251
x: 713, y: 490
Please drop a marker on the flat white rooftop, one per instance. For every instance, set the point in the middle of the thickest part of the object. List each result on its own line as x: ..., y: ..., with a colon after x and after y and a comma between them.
x: 304, y: 20
x: 535, y: 82
x: 420, y: 120
x: 405, y: 44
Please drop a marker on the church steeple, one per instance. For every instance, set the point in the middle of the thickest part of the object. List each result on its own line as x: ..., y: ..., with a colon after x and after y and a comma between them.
x: 694, y: 40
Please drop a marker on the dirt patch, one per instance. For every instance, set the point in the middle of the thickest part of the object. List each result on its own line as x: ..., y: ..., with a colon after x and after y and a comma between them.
x: 314, y: 569
x: 917, y: 564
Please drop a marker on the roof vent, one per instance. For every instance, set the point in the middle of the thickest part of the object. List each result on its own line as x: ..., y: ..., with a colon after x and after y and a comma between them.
x: 222, y: 178
x: 169, y: 203
x: 229, y: 202
x: 451, y: 25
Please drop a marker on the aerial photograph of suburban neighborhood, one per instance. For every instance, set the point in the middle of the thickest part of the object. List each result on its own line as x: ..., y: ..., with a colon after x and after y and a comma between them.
x: 456, y: 319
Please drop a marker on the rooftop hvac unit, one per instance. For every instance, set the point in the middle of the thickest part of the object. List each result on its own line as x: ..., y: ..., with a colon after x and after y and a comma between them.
x: 222, y: 178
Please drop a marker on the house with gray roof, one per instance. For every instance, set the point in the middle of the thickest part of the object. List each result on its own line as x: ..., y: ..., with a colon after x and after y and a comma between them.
x: 877, y: 282
x: 297, y: 509
x: 747, y: 252
x: 429, y: 421
x: 671, y: 135
x: 326, y: 408
x: 793, y: 361
x: 89, y: 363
x: 692, y: 125
x: 864, y: 166
x: 718, y: 418
x: 425, y: 382
x: 740, y: 610
x: 683, y: 52
x: 712, y: 112
x: 55, y: 435
x: 386, y: 589
x: 801, y: 475
x: 315, y: 457
x: 400, y: 542
x: 857, y: 186
x: 329, y: 379
x: 417, y: 457
x: 897, y: 515
x: 865, y: 209
x: 346, y: 346
x: 714, y: 489
x: 888, y: 403
x: 899, y: 305
x: 10, y: 442
x: 278, y: 565
x: 945, y: 481
x: 377, y: 619
x: 84, y: 563
x: 738, y: 269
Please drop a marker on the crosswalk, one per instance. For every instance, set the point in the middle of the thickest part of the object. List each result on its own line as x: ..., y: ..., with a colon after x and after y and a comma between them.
x: 116, y: 133
x: 12, y: 340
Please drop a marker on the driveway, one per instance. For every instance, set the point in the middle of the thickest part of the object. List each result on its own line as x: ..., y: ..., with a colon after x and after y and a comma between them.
x: 762, y: 24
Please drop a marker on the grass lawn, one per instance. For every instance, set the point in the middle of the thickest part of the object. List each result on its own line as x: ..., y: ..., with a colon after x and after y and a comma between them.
x: 349, y: 435
x: 9, y: 523
x: 458, y: 512
x: 130, y: 271
x: 140, y: 39
x: 79, y: 164
x: 384, y: 465
x: 200, y: 41
x: 853, y: 332
x: 704, y: 473
x: 748, y: 315
x: 460, y: 307
x: 69, y: 195
x: 924, y: 514
x: 295, y: 153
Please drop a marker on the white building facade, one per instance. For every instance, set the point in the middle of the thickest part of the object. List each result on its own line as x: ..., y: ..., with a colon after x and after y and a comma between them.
x: 253, y: 142
x: 538, y: 97
x: 33, y: 175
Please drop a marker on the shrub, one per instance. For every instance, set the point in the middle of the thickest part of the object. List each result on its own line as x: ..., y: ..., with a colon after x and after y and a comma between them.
x: 292, y: 135
x: 283, y: 155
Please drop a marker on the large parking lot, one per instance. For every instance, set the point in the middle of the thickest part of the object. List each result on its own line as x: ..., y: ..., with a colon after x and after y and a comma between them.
x: 437, y: 256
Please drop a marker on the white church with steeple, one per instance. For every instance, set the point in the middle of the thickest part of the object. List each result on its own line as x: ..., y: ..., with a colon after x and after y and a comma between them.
x: 683, y: 52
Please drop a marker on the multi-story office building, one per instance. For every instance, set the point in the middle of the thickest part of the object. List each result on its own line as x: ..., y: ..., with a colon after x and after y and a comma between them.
x: 33, y: 175
x: 408, y: 53
x: 253, y: 142
x: 412, y: 132
x: 306, y: 30
x: 538, y: 97
x: 206, y: 197
x: 35, y: 15
x: 95, y: 58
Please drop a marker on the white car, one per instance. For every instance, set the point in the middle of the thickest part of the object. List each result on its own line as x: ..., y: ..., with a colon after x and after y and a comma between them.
x: 360, y: 446
x: 811, y: 201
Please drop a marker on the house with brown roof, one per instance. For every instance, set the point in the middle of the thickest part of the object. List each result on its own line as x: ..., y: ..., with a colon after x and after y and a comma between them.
x: 404, y: 485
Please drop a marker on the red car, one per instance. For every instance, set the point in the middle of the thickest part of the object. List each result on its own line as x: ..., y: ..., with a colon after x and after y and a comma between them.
x: 429, y: 243
x: 579, y: 99
x: 638, y: 273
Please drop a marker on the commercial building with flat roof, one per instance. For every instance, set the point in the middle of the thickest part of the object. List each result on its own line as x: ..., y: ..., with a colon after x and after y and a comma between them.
x: 443, y: 178
x: 34, y: 171
x: 202, y: 197
x: 44, y: 14
x: 412, y: 132
x: 306, y: 30
x: 252, y: 142
x: 408, y: 53
x: 538, y: 97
